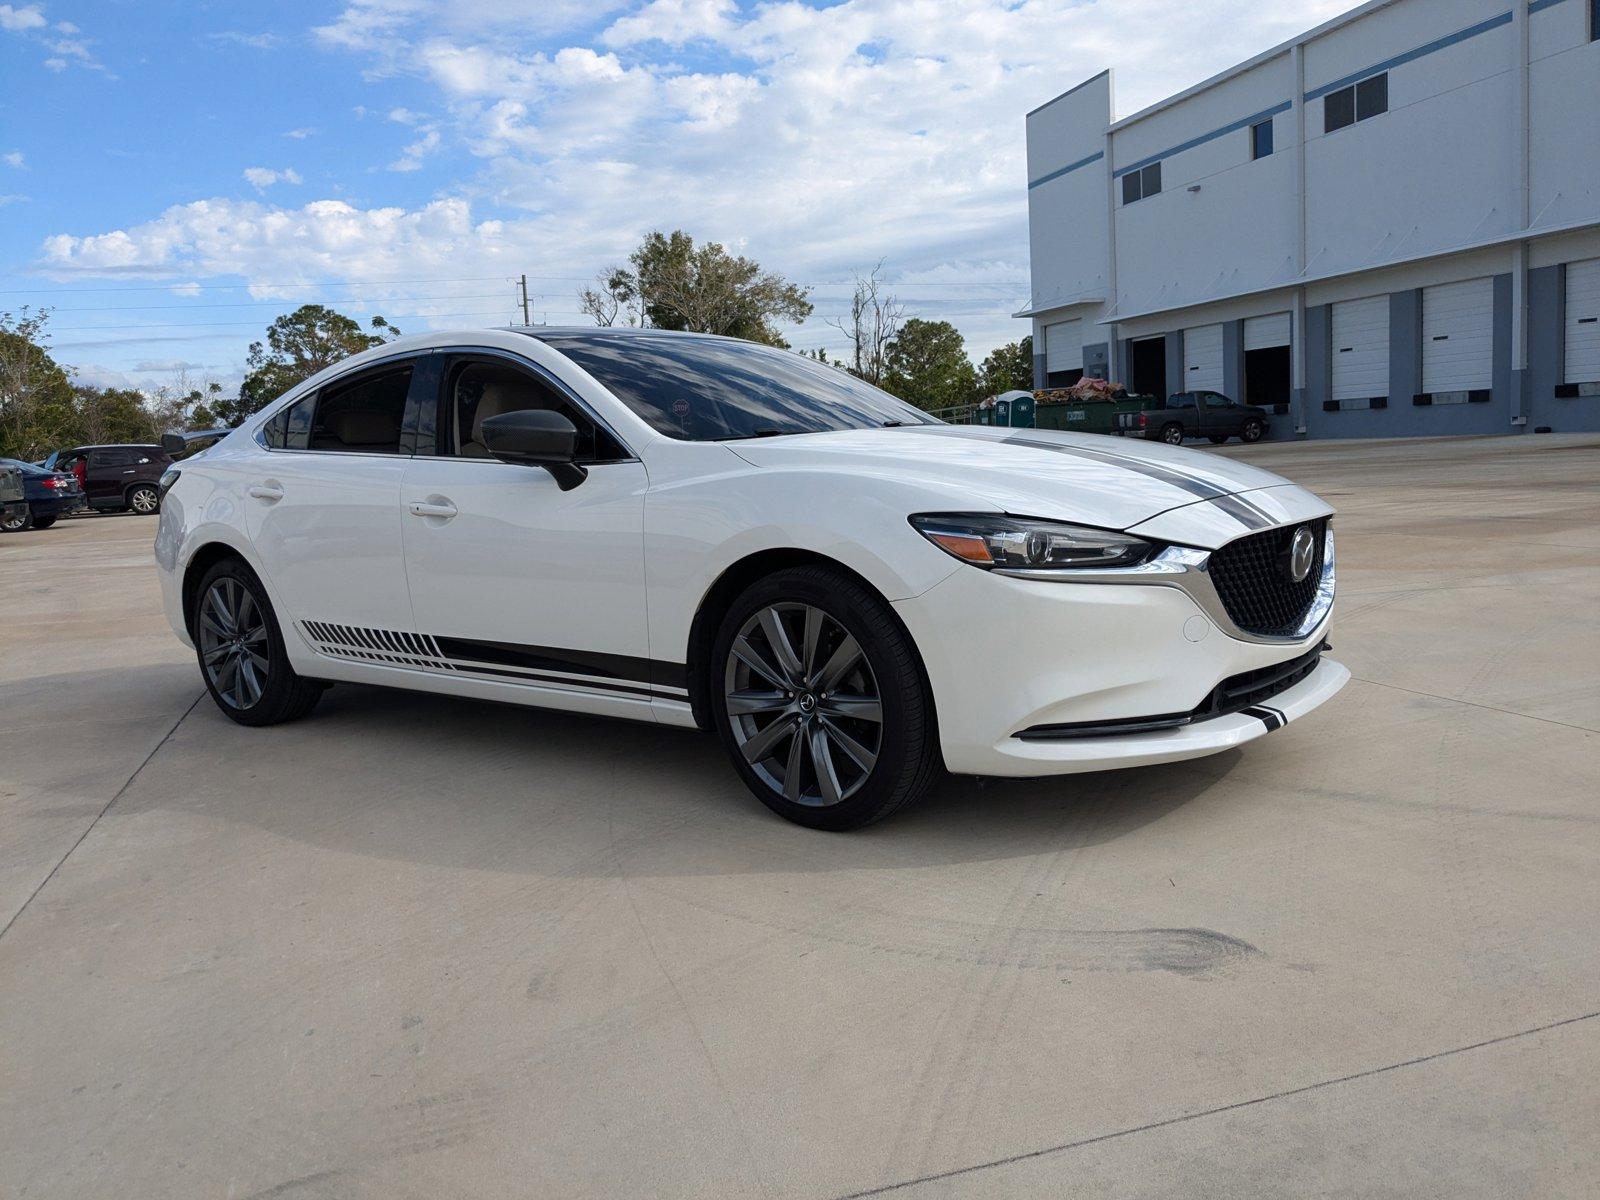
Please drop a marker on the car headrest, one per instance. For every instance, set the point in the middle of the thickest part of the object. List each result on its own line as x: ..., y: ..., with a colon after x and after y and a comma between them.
x: 497, y: 398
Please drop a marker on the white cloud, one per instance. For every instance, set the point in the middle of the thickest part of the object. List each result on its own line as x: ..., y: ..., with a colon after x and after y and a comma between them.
x: 254, y: 41
x: 300, y: 134
x: 14, y: 160
x: 795, y: 144
x: 404, y: 116
x: 261, y: 178
x: 411, y: 157
x: 13, y: 198
x: 15, y: 20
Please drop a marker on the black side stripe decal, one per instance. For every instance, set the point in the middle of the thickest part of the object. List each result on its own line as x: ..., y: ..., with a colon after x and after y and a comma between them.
x: 620, y: 667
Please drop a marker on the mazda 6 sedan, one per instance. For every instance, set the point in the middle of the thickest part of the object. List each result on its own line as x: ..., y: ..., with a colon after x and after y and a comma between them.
x: 712, y: 534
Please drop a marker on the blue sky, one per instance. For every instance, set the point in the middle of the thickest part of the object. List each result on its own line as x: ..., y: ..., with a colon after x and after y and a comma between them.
x: 173, y: 176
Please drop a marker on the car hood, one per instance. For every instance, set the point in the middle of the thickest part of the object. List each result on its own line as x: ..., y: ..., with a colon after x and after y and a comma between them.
x: 1110, y: 482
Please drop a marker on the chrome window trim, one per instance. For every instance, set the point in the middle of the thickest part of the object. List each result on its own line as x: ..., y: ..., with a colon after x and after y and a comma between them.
x: 1189, y: 570
x: 290, y: 398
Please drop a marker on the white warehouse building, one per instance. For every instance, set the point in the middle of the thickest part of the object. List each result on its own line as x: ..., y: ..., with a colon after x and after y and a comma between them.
x: 1387, y: 226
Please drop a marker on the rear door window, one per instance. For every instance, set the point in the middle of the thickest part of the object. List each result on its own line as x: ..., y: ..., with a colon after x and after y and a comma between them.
x: 363, y: 416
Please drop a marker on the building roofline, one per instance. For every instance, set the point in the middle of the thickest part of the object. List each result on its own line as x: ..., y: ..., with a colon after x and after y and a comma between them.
x: 1076, y: 88
x: 1249, y: 64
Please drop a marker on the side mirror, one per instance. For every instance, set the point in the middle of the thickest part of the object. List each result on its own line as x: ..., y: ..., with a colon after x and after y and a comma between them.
x: 174, y: 443
x: 536, y: 437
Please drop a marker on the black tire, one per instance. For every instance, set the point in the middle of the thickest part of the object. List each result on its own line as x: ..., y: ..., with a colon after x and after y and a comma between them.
x: 1217, y: 439
x: 1172, y: 433
x: 1252, y: 431
x: 44, y: 522
x: 144, y: 499
x: 17, y: 524
x: 907, y: 760
x: 282, y: 695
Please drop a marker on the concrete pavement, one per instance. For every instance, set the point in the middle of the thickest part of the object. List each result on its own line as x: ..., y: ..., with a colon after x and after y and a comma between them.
x: 419, y: 947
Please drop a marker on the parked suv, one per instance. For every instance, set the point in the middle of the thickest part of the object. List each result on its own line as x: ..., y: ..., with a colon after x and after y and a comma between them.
x: 47, y: 495
x: 1194, y: 415
x: 13, y: 504
x: 115, y: 478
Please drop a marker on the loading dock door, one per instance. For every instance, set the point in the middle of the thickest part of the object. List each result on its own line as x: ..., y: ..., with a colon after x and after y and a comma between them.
x: 1148, y: 360
x: 1583, y: 322
x: 1202, y: 359
x: 1458, y: 337
x: 1266, y: 333
x: 1360, y: 349
x: 1268, y: 368
x: 1063, y: 353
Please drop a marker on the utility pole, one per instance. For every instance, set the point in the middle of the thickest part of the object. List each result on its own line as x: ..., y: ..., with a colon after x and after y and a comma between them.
x: 525, y: 320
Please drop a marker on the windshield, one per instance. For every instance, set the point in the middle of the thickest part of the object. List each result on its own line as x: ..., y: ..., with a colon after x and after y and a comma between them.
x: 714, y: 389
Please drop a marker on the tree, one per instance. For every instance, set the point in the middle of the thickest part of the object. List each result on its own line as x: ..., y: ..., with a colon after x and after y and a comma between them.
x: 36, y: 402
x: 1008, y: 368
x: 927, y: 365
x: 674, y: 284
x: 298, y: 345
x: 872, y: 324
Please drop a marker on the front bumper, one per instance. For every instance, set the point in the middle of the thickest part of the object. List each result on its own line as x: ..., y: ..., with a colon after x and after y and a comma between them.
x: 1007, y: 655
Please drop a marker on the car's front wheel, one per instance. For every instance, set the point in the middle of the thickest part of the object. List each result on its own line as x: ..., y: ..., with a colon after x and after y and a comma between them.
x: 1252, y: 431
x: 819, y: 698
x: 1172, y: 434
x: 144, y: 500
x: 240, y: 647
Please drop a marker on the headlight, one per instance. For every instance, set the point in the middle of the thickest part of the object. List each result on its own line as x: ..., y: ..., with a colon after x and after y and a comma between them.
x: 168, y: 478
x: 995, y: 541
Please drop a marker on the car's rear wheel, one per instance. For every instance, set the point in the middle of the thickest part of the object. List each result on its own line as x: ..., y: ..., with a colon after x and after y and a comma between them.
x: 240, y: 647
x: 1252, y: 431
x: 820, y: 700
x: 16, y: 523
x: 1172, y: 434
x: 144, y: 499
x: 43, y: 522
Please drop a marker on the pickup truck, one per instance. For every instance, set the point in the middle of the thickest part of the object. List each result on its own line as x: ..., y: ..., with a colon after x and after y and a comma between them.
x: 1195, y: 415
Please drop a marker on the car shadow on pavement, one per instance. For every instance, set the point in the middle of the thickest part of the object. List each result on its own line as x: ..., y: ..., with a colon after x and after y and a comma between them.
x: 467, y: 784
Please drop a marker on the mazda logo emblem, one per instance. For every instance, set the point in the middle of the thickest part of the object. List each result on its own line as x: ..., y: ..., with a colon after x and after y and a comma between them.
x: 1301, y: 550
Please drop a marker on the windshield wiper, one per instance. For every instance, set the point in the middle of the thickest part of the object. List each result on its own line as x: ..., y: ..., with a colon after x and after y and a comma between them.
x: 756, y: 433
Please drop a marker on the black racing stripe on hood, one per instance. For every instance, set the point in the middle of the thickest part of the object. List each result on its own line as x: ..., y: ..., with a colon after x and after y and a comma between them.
x: 1194, y: 485
x: 1246, y: 513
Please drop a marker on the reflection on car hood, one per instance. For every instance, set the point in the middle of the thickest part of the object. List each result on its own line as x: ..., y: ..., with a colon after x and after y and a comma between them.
x: 1111, y: 482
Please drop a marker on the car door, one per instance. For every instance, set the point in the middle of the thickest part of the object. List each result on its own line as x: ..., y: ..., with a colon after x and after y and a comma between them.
x: 1226, y: 417
x: 107, y: 472
x: 512, y: 577
x: 322, y: 500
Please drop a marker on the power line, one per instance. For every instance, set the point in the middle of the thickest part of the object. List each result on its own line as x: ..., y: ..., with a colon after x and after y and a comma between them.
x: 234, y: 287
x: 264, y: 303
x: 126, y: 328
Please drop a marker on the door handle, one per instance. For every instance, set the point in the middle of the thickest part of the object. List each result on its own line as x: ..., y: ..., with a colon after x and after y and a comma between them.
x: 270, y: 492
x: 130, y: 471
x: 419, y: 508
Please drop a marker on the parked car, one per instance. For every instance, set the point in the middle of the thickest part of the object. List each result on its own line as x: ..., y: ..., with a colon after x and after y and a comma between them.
x: 13, y: 499
x: 119, y: 478
x: 702, y: 532
x: 1193, y: 415
x: 48, y: 496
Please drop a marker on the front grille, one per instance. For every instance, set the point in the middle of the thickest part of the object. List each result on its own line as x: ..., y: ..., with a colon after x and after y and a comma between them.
x: 1252, y: 580
x: 1234, y: 694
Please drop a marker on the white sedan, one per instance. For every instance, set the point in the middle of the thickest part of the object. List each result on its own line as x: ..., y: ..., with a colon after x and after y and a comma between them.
x: 708, y: 533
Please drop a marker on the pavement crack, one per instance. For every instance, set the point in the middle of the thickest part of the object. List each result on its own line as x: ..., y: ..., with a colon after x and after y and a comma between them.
x: 126, y: 784
x: 1509, y: 712
x: 1183, y: 1118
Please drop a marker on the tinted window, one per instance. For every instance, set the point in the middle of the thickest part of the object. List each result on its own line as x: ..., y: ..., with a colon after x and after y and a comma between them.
x: 705, y: 389
x: 1130, y: 187
x: 362, y: 417
x: 476, y: 390
x: 1182, y: 400
x: 113, y: 458
x: 1261, y: 140
x: 1150, y: 180
x: 1372, y: 97
x: 1339, y: 109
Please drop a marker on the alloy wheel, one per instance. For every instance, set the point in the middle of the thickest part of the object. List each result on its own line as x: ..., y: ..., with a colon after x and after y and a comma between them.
x: 803, y: 704
x: 144, y: 501
x: 233, y: 642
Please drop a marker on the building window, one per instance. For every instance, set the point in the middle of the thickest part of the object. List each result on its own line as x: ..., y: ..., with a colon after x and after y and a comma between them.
x: 1142, y: 184
x: 1261, y: 136
x: 1369, y: 98
x: 1594, y: 20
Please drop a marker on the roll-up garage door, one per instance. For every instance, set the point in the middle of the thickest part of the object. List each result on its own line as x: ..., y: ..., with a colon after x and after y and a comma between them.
x: 1458, y: 337
x: 1583, y: 322
x: 1202, y: 359
x: 1265, y: 333
x: 1361, y: 349
x: 1063, y: 347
